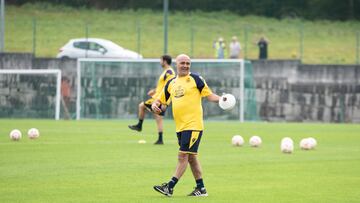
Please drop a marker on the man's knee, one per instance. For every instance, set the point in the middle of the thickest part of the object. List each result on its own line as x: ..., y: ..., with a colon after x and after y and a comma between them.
x: 182, y: 157
x: 141, y: 105
x: 192, y: 158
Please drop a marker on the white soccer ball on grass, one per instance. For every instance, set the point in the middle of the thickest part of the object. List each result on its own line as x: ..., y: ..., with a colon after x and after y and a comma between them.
x: 227, y: 101
x: 15, y: 135
x: 33, y: 133
x: 287, y: 145
x: 237, y: 140
x: 305, y: 144
x: 255, y: 141
x: 313, y: 142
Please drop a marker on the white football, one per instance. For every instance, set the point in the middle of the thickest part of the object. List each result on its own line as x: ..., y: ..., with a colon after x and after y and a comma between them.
x: 15, y: 135
x: 142, y: 141
x: 255, y: 141
x: 237, y: 140
x: 33, y: 133
x: 305, y: 144
x: 287, y: 145
x: 313, y: 142
x: 227, y: 101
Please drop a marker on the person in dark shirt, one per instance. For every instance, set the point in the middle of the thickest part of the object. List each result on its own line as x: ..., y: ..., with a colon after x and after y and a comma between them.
x: 263, y: 47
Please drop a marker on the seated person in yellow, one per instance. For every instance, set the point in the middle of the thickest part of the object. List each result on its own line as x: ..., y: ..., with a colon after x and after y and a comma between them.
x: 167, y: 74
x: 185, y: 91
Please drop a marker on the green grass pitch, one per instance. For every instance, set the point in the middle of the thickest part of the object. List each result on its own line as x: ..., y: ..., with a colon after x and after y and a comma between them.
x: 101, y: 161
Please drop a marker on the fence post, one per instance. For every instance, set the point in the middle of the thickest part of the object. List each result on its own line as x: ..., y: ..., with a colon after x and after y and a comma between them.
x: 245, y: 41
x: 86, y: 36
x: 192, y: 39
x: 34, y: 36
x: 2, y: 26
x: 301, y: 42
x: 138, y: 34
x: 357, y: 47
x: 166, y: 11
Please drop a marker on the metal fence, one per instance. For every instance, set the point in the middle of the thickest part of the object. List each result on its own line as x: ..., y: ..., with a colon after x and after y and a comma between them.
x: 44, y: 38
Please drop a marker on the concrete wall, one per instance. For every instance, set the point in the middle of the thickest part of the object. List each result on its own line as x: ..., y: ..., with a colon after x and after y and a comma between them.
x: 286, y: 90
x: 291, y: 91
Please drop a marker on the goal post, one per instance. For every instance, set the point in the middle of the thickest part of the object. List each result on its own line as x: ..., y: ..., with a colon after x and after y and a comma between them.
x: 55, y: 72
x: 121, y: 85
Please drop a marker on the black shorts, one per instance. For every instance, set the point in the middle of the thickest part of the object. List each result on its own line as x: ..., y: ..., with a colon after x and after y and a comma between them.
x: 148, y: 103
x: 189, y: 141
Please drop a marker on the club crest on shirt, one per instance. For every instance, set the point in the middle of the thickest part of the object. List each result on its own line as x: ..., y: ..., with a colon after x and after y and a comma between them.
x: 179, y: 92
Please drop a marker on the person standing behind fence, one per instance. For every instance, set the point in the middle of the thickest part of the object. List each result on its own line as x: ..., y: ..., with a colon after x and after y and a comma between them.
x: 235, y: 48
x: 263, y: 47
x: 65, y: 96
x: 220, y: 48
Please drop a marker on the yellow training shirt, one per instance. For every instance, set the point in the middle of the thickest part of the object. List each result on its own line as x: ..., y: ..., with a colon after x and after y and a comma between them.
x: 165, y: 76
x: 185, y: 93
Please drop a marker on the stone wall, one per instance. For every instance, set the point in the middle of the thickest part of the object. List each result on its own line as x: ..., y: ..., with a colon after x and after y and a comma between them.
x: 291, y: 91
x: 285, y: 90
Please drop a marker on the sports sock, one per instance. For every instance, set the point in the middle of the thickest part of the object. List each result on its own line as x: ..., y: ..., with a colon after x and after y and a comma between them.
x: 140, y: 122
x: 173, y: 182
x: 199, y: 183
x: 160, y: 136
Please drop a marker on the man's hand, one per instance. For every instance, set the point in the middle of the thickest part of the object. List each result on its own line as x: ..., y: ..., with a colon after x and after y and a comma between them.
x: 213, y: 98
x: 156, y: 106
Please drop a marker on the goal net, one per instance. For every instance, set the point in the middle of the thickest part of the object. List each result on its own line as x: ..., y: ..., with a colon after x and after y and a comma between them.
x: 113, y: 89
x: 30, y: 93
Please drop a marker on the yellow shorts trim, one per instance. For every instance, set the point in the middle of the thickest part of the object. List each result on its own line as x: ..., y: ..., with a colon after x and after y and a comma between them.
x: 184, y: 152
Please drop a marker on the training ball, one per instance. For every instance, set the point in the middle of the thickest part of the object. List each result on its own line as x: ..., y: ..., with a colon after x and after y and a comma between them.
x: 305, y: 144
x: 142, y: 141
x: 255, y: 141
x: 237, y: 140
x: 15, y: 135
x: 33, y: 133
x: 287, y: 145
x: 313, y: 142
x: 227, y: 101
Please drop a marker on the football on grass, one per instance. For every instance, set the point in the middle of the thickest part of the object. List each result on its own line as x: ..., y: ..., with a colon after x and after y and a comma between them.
x: 255, y: 141
x: 33, y: 133
x: 237, y: 140
x: 15, y: 135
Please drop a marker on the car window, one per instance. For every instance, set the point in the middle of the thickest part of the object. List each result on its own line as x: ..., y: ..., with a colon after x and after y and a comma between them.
x: 81, y: 45
x: 95, y: 46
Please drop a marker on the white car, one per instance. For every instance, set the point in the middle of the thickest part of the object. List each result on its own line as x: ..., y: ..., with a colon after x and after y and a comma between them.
x: 95, y: 48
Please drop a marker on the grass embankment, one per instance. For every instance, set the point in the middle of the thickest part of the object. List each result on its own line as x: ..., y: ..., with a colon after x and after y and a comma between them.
x: 323, y: 41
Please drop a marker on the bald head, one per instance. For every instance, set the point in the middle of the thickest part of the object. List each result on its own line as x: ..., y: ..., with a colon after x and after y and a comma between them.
x: 183, y: 65
x: 181, y: 56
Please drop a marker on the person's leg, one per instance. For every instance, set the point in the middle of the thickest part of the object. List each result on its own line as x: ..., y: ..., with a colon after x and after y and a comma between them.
x: 159, y: 123
x: 197, y: 173
x: 183, y: 160
x: 168, y: 188
x: 195, y: 166
x: 141, y: 115
x: 196, y: 170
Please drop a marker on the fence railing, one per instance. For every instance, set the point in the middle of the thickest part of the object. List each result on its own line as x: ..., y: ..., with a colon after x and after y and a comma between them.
x: 310, y: 44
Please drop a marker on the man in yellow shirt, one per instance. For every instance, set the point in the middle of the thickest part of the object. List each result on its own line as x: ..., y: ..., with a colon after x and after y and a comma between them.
x: 167, y: 74
x: 185, y: 91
